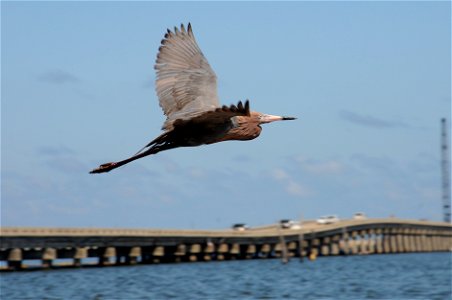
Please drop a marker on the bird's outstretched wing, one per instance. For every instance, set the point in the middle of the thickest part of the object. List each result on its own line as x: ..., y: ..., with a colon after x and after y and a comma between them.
x: 186, y: 84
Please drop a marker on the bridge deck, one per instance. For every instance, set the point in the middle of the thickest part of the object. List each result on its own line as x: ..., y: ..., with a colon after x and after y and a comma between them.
x: 345, y: 237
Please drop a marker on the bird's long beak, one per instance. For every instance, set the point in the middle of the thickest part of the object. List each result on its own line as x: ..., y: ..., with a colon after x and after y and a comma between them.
x: 271, y: 118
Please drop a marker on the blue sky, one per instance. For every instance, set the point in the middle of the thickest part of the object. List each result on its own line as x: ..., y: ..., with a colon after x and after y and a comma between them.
x: 368, y: 81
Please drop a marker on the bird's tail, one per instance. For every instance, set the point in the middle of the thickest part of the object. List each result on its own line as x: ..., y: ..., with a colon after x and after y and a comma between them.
x: 161, y: 143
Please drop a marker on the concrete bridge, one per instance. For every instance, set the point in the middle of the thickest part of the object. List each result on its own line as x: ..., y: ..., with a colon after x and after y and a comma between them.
x: 142, y: 246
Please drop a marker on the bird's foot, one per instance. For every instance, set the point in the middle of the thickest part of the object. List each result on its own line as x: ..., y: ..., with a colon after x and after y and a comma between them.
x: 103, y: 168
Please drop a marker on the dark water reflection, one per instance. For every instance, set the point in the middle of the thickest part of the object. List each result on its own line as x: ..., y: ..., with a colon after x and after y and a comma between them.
x: 399, y: 276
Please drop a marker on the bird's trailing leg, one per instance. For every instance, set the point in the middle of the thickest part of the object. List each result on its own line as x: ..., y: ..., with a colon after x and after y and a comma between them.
x: 161, y: 143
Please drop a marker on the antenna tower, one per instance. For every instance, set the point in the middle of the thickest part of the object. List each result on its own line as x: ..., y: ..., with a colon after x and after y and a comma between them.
x: 445, y: 170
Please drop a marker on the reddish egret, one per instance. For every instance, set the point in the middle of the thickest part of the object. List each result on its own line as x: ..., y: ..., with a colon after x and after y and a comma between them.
x: 186, y: 87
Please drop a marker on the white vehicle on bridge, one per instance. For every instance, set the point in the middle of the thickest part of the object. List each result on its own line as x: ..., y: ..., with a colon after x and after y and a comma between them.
x: 289, y: 224
x: 328, y: 219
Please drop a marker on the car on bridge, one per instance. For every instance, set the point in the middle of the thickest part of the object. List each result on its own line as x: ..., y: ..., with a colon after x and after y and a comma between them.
x: 328, y: 219
x: 289, y: 224
x: 240, y: 227
x: 359, y: 216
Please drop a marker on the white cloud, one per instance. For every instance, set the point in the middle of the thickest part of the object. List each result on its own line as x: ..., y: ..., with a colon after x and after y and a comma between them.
x: 328, y: 167
x: 291, y: 186
x: 296, y: 189
x: 320, y: 167
x: 279, y: 174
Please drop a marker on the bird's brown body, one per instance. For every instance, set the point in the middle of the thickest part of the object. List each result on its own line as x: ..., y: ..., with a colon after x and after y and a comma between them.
x: 186, y: 86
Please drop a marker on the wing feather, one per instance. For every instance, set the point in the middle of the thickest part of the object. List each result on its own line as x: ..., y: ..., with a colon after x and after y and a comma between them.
x: 186, y: 85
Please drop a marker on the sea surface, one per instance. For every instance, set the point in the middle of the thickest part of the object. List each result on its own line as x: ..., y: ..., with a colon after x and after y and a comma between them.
x: 390, y: 276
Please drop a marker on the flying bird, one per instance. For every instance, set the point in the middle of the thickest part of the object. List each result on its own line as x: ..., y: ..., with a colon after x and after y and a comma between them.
x: 186, y: 87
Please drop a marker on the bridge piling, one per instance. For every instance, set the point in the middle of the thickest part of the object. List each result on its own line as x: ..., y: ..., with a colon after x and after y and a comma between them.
x: 223, y: 251
x: 48, y: 256
x: 325, y: 247
x: 80, y: 253
x: 107, y: 256
x: 265, y: 251
x: 134, y: 254
x: 15, y: 259
x: 251, y: 251
x: 235, y: 251
x: 209, y: 249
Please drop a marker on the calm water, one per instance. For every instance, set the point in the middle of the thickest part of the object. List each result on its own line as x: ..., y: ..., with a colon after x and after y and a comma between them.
x: 402, y: 276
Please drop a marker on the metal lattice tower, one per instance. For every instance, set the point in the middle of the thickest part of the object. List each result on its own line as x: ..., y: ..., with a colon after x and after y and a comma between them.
x: 445, y: 170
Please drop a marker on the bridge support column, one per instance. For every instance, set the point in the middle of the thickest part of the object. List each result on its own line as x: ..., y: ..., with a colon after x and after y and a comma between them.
x: 251, y: 251
x: 435, y: 242
x: 432, y: 241
x: 353, y: 243
x: 334, y: 249
x: 371, y: 241
x: 412, y: 241
x: 441, y: 242
x: 408, y: 234
x: 400, y: 243
x: 278, y: 249
x: 424, y: 241
x: 363, y: 242
x: 386, y: 241
x: 292, y: 249
x: 235, y: 251
x: 393, y: 242
x: 107, y: 256
x: 15, y: 259
x: 446, y: 242
x: 429, y: 241
x: 371, y: 245
x: 418, y: 240
x: 379, y: 248
x: 195, y: 250
x: 223, y: 250
x: 314, y: 249
x: 379, y: 244
x: 344, y: 248
x: 265, y: 250
x: 325, y: 248
x: 449, y: 241
x: 302, y: 248
x: 134, y: 253
x: 208, y: 251
x: 80, y: 253
x: 407, y: 242
x: 48, y: 256
x: 181, y: 251
x: 402, y: 240
x: 158, y: 254
x: 441, y: 246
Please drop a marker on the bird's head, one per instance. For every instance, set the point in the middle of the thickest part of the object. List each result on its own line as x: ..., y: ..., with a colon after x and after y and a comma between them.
x: 261, y: 118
